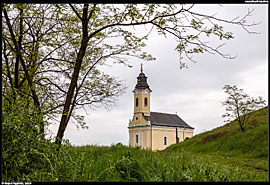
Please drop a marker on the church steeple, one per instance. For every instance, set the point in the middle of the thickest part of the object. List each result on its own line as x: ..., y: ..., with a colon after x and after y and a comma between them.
x: 142, y: 81
x: 142, y: 96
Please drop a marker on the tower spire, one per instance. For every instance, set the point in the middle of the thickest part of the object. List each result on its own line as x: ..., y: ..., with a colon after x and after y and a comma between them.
x: 142, y: 80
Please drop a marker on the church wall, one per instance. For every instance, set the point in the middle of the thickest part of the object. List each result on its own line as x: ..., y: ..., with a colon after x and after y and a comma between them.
x: 184, y: 133
x: 158, y: 137
x: 138, y: 119
x: 170, y: 133
x: 147, y: 136
x: 143, y: 138
x: 141, y: 95
x: 188, y: 133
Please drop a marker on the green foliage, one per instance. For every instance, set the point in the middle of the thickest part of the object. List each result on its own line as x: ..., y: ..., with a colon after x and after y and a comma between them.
x: 25, y: 156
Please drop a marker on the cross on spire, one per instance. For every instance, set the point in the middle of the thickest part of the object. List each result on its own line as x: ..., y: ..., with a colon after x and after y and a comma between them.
x: 141, y: 68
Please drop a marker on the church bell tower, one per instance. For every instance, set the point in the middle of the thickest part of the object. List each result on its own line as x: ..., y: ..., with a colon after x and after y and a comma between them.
x: 141, y: 100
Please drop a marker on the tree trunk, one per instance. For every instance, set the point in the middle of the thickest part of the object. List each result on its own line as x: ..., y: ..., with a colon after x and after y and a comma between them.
x: 242, y: 128
x: 73, y: 84
x: 239, y: 117
x: 74, y: 78
x: 241, y: 125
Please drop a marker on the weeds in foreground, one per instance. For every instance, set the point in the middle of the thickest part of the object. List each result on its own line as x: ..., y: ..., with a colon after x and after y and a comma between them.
x: 121, y: 163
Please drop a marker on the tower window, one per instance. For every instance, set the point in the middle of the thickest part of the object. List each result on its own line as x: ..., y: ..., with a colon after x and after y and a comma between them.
x: 145, y: 102
x: 165, y: 140
x: 137, y: 102
x: 137, y: 139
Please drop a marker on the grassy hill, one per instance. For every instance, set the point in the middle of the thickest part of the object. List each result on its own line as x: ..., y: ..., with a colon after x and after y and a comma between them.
x: 230, y: 140
x: 230, y: 146
x: 223, y: 154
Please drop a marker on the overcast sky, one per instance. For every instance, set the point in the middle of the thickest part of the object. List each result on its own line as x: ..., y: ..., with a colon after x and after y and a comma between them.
x: 194, y: 93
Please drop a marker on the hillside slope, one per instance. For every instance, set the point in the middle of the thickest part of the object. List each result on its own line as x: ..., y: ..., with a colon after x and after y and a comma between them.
x: 230, y: 140
x: 228, y: 145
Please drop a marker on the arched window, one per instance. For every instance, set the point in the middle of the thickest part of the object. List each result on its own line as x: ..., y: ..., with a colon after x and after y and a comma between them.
x: 137, y: 102
x: 145, y: 102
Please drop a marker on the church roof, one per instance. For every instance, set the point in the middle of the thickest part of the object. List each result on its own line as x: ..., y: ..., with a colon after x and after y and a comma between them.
x: 142, y: 81
x: 163, y: 119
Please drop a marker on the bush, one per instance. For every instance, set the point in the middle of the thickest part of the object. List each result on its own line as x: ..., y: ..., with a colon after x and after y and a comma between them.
x: 25, y: 155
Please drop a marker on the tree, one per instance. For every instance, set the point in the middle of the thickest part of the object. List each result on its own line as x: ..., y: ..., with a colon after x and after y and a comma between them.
x: 85, y: 37
x: 239, y: 105
x: 43, y: 44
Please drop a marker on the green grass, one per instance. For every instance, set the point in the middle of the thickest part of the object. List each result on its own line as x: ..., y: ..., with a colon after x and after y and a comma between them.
x: 121, y: 163
x: 229, y: 146
x: 231, y: 141
x: 223, y: 154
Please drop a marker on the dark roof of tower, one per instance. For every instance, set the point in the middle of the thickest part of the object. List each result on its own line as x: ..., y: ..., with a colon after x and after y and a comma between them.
x: 142, y: 81
x: 163, y: 119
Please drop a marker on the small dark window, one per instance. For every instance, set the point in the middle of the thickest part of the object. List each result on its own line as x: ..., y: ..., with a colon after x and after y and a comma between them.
x: 165, y: 140
x: 137, y: 102
x: 137, y: 139
x: 136, y: 118
x: 145, y: 102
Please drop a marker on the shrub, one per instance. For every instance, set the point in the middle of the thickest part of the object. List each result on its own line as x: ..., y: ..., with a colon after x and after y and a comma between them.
x: 25, y: 156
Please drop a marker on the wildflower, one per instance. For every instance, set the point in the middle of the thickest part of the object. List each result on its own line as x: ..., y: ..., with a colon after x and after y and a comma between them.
x: 56, y: 179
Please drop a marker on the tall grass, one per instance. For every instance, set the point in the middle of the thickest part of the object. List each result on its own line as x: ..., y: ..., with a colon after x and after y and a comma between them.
x: 122, y: 163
